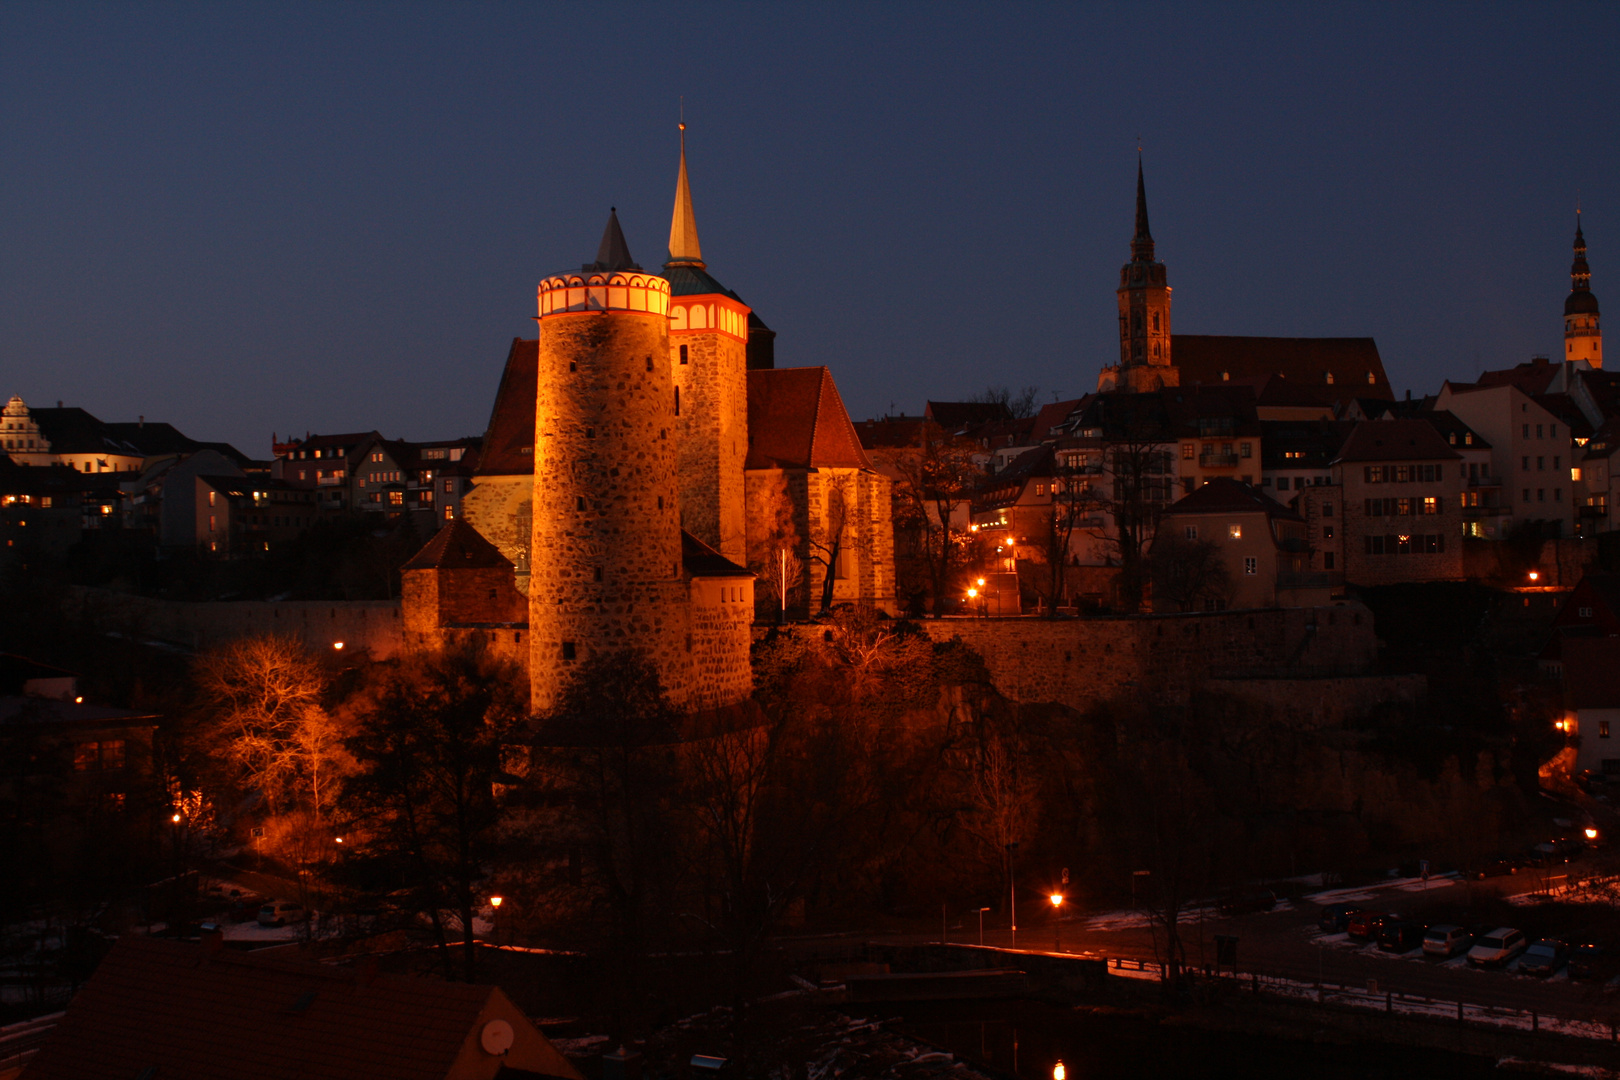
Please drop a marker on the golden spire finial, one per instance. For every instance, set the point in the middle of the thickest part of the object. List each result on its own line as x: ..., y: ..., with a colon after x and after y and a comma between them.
x: 684, y: 249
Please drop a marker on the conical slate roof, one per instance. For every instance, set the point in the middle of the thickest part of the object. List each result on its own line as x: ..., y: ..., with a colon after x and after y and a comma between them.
x: 458, y: 546
x: 613, y: 253
x: 1142, y: 242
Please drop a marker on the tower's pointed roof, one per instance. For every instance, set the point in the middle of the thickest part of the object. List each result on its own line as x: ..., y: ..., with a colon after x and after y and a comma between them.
x: 614, y: 252
x: 458, y: 546
x: 1142, y: 242
x: 1580, y: 300
x: 684, y: 249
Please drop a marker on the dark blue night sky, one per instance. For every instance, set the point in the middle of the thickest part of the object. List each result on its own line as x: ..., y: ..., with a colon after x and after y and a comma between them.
x: 332, y: 217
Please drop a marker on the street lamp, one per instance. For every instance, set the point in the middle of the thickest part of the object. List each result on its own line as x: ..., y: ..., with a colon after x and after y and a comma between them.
x: 495, y: 906
x: 1059, y: 1072
x: 1591, y: 833
x: 1535, y: 575
x: 338, y: 645
x: 981, y: 925
x: 1057, y: 925
x: 1012, y: 896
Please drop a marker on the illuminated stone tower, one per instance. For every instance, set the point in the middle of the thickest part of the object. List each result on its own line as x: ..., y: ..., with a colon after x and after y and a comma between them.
x: 1144, y: 314
x: 708, y: 353
x: 605, y: 557
x: 1583, y: 337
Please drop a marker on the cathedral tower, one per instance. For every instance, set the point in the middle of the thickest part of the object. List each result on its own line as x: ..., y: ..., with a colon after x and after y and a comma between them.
x: 1144, y: 314
x: 605, y: 556
x: 708, y: 354
x: 1583, y: 337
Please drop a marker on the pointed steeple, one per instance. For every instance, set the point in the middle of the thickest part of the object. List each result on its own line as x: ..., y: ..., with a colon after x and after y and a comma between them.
x: 1580, y: 300
x: 684, y: 249
x: 1142, y: 242
x: 613, y: 253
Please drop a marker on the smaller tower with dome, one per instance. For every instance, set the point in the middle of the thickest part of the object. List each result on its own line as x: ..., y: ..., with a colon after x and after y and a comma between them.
x: 1583, y: 336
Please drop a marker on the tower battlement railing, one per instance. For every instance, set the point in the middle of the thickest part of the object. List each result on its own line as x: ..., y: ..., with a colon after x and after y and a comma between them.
x: 607, y: 291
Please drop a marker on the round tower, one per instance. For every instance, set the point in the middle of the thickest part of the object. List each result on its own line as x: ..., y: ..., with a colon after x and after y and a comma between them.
x: 1583, y: 336
x: 709, y: 335
x: 605, y: 558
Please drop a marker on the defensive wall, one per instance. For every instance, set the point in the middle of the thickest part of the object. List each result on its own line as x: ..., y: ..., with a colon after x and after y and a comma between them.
x: 373, y: 626
x: 1161, y: 659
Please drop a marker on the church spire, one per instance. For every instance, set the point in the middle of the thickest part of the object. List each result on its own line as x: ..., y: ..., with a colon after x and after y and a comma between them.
x: 1142, y: 242
x: 684, y: 249
x: 1580, y: 272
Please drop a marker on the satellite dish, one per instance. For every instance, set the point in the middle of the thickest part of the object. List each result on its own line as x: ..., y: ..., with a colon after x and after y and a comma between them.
x: 496, y: 1038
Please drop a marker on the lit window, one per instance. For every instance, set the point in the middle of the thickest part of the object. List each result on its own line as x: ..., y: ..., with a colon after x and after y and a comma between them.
x: 1603, y: 729
x: 86, y: 756
x: 1186, y: 451
x: 1575, y: 473
x: 1431, y: 504
x: 1234, y: 532
x: 396, y: 498
x: 112, y: 754
x: 211, y: 497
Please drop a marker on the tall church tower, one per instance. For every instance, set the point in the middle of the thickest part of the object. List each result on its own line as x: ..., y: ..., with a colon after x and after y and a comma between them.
x: 605, y: 556
x: 708, y: 354
x: 1144, y: 314
x: 1583, y: 337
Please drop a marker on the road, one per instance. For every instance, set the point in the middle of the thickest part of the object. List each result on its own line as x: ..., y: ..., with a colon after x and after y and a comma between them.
x: 1286, y: 942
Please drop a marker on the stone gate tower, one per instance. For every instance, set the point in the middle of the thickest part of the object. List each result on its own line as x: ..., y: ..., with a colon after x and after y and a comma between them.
x: 1144, y: 314
x: 1583, y: 336
x: 708, y: 353
x: 605, y: 556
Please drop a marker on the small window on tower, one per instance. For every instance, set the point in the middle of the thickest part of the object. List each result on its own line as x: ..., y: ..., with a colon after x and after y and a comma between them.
x: 678, y: 397
x: 683, y: 354
x: 568, y: 650
x: 590, y: 433
x: 649, y: 363
x: 598, y: 573
x: 573, y: 365
x: 579, y: 502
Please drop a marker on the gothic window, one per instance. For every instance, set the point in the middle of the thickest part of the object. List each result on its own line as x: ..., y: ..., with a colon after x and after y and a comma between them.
x: 1155, y: 322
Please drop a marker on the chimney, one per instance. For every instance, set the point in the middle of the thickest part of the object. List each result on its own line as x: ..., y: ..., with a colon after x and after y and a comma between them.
x: 140, y: 422
x: 59, y: 403
x: 1409, y: 395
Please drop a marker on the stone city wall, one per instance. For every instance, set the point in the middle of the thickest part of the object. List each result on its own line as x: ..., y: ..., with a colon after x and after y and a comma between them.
x: 1160, y: 658
x: 371, y: 626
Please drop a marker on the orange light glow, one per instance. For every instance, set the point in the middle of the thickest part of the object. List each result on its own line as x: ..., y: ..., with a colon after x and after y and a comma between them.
x: 1057, y: 899
x: 1591, y: 834
x: 972, y: 593
x: 175, y: 819
x: 1059, y: 1072
x: 1535, y: 575
x: 981, y: 580
x: 338, y: 645
x: 495, y: 901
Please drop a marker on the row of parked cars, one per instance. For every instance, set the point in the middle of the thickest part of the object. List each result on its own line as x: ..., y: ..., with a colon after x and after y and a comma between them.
x: 1483, y: 946
x: 241, y: 906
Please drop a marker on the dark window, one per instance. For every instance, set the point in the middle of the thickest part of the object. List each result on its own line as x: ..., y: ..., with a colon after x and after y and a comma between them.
x: 598, y: 573
x: 1327, y: 509
x: 649, y: 363
x: 86, y: 756
x: 568, y: 650
x: 590, y: 433
x: 573, y: 366
x: 683, y: 354
x: 678, y: 398
x: 579, y: 502
x: 1327, y: 561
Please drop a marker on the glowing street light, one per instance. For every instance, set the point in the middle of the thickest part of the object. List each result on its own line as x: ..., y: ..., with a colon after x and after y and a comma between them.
x: 175, y: 819
x: 1591, y: 833
x: 1059, y: 1072
x: 338, y: 645
x: 1535, y: 575
x: 973, y: 594
x: 495, y: 902
x: 1057, y: 925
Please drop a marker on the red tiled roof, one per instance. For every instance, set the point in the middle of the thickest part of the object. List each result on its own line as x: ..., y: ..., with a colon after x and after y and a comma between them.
x: 1396, y: 440
x: 891, y: 431
x: 458, y: 546
x: 1052, y: 415
x: 509, y: 443
x: 197, y: 1014
x: 1302, y: 362
x: 796, y: 420
x: 700, y: 560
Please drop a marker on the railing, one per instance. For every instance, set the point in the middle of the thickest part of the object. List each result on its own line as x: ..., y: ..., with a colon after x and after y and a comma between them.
x: 1218, y: 461
x: 1594, y: 511
x: 1484, y: 481
x: 328, y: 481
x: 1484, y: 511
x: 1391, y: 1002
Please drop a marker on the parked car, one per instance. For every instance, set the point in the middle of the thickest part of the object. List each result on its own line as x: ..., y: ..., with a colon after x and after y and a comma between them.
x: 1248, y: 903
x: 1592, y: 961
x: 1366, y: 925
x: 1446, y: 941
x: 1335, y: 917
x: 245, y: 907
x: 1497, y: 948
x: 1544, y: 957
x: 281, y: 912
x: 1547, y: 853
x: 1498, y: 868
x: 1399, y: 935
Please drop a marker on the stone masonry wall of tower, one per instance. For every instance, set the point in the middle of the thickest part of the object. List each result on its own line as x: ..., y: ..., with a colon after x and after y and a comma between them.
x: 605, y: 558
x: 713, y: 422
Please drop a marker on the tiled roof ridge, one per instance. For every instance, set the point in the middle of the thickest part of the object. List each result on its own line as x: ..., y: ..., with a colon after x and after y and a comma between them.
x: 839, y: 417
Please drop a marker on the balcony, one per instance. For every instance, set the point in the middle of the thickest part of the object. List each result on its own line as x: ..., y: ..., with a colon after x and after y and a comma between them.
x: 1217, y: 461
x: 329, y: 481
x: 1485, y: 511
x: 1484, y: 481
x: 1593, y: 511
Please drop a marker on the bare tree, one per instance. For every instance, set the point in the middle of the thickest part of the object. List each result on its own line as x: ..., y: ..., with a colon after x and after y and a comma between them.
x: 1072, y: 504
x: 1019, y: 406
x: 938, y: 479
x: 1000, y: 797
x: 1191, y: 574
x: 261, y: 697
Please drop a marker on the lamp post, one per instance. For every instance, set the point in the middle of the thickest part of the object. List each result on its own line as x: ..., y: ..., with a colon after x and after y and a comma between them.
x: 981, y: 925
x: 1057, y: 925
x: 1012, y: 895
x: 495, y: 909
